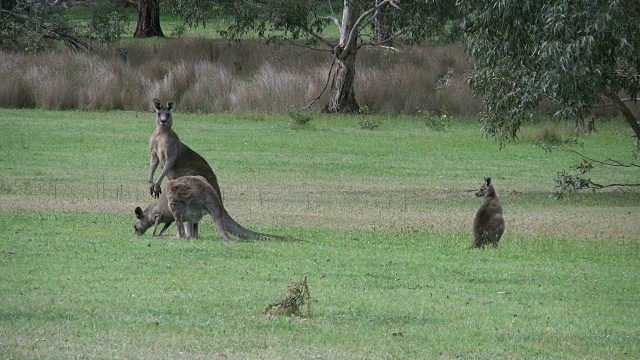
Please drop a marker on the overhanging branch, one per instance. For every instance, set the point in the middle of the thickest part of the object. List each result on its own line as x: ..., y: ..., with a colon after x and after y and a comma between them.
x: 607, y: 162
x: 54, y: 32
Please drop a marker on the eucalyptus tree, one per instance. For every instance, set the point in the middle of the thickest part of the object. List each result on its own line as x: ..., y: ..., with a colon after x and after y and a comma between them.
x: 32, y: 25
x: 575, y: 53
x: 308, y: 22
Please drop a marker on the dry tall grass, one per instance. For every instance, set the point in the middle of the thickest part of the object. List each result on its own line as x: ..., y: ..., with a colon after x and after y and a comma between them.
x: 213, y: 76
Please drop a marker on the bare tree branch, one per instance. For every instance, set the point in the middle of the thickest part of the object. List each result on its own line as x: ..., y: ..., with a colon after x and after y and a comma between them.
x: 598, y: 186
x: 351, y: 39
x: 322, y: 39
x: 330, y: 18
x: 325, y: 85
x: 382, y: 42
x: 331, y: 8
x: 607, y: 162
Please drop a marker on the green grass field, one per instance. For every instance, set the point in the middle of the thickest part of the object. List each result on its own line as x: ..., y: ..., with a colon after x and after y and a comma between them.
x: 385, y: 219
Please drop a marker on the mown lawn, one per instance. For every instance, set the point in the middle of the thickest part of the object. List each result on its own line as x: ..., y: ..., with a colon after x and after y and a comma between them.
x: 384, y: 216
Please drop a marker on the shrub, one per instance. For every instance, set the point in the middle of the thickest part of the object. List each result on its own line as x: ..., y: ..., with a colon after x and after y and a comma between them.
x: 299, y: 118
x: 435, y: 121
x: 369, y: 123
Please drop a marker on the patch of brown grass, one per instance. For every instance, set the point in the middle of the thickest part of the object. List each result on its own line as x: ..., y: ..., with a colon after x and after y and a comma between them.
x: 354, y: 206
x: 207, y: 75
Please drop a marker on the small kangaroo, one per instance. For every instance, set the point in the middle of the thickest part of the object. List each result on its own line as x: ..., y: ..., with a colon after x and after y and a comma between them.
x: 156, y: 214
x: 488, y: 225
x: 190, y: 198
x: 178, y: 160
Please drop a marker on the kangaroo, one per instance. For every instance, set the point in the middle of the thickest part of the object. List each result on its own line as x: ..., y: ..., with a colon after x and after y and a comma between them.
x: 488, y: 225
x: 178, y: 160
x: 190, y: 198
x: 156, y: 214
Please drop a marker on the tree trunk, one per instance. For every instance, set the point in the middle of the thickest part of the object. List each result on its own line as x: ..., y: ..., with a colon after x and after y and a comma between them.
x: 343, y: 96
x: 628, y: 115
x: 1, y: 28
x: 148, y: 19
x: 381, y: 31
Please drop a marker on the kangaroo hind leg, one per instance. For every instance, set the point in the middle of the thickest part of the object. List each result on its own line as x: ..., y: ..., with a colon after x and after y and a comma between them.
x: 216, y: 213
x: 178, y: 211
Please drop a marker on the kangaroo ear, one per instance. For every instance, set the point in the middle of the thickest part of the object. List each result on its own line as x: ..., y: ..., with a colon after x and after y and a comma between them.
x: 171, y: 104
x: 138, y: 212
x: 156, y: 104
x: 488, y: 181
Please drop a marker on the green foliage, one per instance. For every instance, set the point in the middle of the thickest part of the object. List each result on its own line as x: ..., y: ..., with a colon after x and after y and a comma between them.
x: 570, y: 182
x: 178, y: 30
x: 32, y: 24
x: 299, y: 117
x: 107, y: 22
x: 35, y: 25
x: 570, y: 52
x: 369, y: 123
x: 434, y: 121
x: 279, y: 20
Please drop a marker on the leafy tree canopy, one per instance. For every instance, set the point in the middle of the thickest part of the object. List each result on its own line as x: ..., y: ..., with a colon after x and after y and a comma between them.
x: 411, y: 20
x: 575, y: 53
x: 32, y: 25
x: 359, y: 23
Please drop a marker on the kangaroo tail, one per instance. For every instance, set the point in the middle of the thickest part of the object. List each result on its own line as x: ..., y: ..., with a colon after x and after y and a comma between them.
x: 231, y: 225
x: 240, y: 231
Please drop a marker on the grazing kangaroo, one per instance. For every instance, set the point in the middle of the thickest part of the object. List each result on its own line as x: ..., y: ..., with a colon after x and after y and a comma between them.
x: 190, y: 198
x: 156, y: 214
x: 488, y: 224
x: 178, y: 160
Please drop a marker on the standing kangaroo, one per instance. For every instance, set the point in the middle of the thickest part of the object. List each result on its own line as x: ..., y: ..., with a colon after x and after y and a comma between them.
x: 178, y: 160
x: 156, y: 214
x: 488, y: 224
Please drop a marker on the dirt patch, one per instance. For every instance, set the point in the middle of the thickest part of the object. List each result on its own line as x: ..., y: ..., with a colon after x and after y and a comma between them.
x: 366, y: 210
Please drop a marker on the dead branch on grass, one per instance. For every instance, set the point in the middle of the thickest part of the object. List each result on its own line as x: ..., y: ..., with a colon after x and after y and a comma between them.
x: 297, y: 297
x: 567, y: 182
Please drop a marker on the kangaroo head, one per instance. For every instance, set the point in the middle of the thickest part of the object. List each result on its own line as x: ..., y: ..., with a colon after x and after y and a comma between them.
x: 163, y: 113
x: 143, y: 221
x: 486, y: 189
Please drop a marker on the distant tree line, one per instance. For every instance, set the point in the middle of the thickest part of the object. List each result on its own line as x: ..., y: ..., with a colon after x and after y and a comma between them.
x: 575, y: 54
